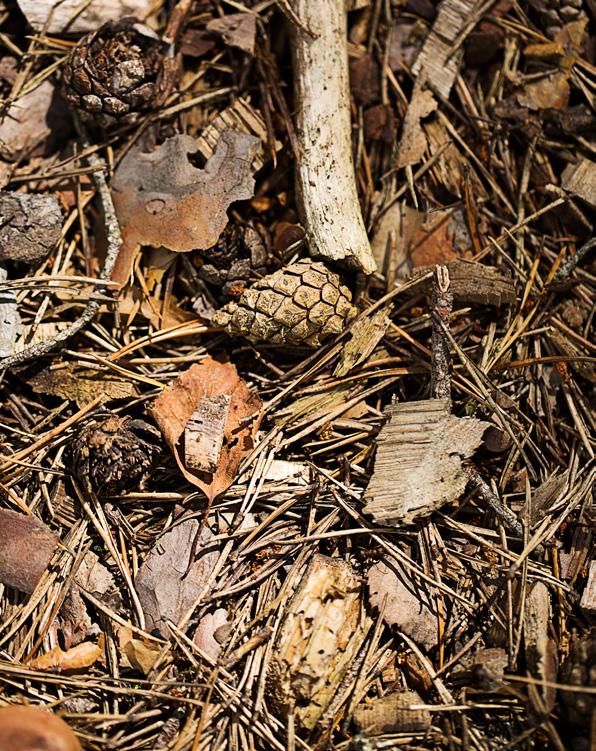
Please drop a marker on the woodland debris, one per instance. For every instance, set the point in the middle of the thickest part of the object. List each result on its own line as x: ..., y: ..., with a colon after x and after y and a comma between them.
x: 175, y: 406
x: 161, y: 199
x: 77, y: 658
x: 112, y: 454
x: 442, y: 307
x: 26, y: 548
x: 392, y: 714
x: 33, y: 124
x: 210, y: 633
x: 93, y: 576
x: 165, y: 589
x: 565, y: 345
x: 242, y: 117
x: 540, y: 647
x: 325, y: 178
x: 205, y: 432
x: 79, y: 16
x: 580, y: 180
x: 484, y: 669
x: 579, y: 670
x: 81, y: 384
x: 74, y: 621
x: 418, y: 466
x: 412, y: 144
x: 588, y: 600
x: 322, y: 631
x: 365, y: 334
x: 303, y: 303
x: 549, y: 92
x: 10, y: 320
x: 473, y: 282
x: 137, y: 652
x: 31, y: 728
x: 117, y: 72
x: 30, y: 226
x: 237, y: 29
x: 404, y: 602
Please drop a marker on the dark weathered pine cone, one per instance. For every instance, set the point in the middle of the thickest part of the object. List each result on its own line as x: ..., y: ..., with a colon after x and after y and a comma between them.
x: 554, y: 14
x: 116, y: 72
x: 112, y: 454
x: 300, y: 304
x: 238, y: 259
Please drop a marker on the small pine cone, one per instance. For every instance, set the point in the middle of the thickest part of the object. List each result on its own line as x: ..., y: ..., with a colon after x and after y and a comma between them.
x: 116, y: 72
x: 554, y: 14
x: 300, y: 304
x: 112, y: 454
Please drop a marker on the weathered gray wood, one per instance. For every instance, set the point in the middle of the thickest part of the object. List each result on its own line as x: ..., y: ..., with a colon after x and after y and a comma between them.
x: 419, y: 463
x: 475, y: 283
x: 204, y: 433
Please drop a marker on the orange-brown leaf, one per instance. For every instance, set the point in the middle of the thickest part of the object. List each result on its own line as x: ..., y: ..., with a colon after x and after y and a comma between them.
x: 82, y: 656
x: 174, y: 406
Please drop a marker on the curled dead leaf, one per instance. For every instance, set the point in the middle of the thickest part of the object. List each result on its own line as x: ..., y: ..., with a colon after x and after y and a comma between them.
x: 162, y: 199
x: 82, y: 656
x: 174, y: 407
x: 26, y: 548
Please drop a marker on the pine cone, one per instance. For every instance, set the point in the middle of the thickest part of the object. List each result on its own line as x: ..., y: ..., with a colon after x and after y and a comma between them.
x: 300, y: 304
x: 117, y: 72
x: 112, y: 454
x: 554, y: 14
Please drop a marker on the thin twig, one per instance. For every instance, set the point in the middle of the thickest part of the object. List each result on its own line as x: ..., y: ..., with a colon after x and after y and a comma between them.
x: 441, y: 358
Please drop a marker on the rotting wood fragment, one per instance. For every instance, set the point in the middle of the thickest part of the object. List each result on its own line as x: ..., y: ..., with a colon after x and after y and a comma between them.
x: 321, y: 634
x: 205, y: 432
x: 419, y: 463
x: 476, y: 283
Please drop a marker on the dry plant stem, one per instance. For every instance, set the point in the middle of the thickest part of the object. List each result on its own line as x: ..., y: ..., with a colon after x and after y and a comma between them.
x: 326, y: 181
x: 571, y: 263
x: 114, y: 241
x: 441, y: 359
x: 482, y: 490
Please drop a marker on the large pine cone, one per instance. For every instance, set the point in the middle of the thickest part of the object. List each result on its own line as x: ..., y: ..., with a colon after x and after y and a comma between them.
x: 117, y: 72
x: 300, y: 304
x: 112, y: 454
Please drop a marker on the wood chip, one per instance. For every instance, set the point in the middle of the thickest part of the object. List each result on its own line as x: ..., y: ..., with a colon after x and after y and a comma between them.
x: 580, y: 180
x: 365, y: 335
x: 540, y: 648
x: 76, y: 16
x: 205, y: 432
x: 476, y: 283
x: 10, y: 320
x: 588, y: 601
x: 237, y: 30
x: 392, y: 714
x: 418, y: 467
x: 30, y: 226
x: 321, y: 634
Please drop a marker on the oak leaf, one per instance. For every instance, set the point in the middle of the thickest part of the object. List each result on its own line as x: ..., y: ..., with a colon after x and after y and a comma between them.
x: 163, y: 200
x: 174, y: 407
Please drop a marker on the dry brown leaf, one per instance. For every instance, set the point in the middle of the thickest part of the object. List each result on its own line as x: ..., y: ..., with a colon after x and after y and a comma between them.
x: 442, y: 238
x: 26, y: 548
x: 405, y: 604
x: 140, y: 654
x: 413, y: 139
x: 82, y: 656
x: 174, y: 407
x: 210, y: 627
x: 81, y: 385
x: 162, y: 199
x: 75, y: 623
x: 237, y: 30
x: 166, y: 584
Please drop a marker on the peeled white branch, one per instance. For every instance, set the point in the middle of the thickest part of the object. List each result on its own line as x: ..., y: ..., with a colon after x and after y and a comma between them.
x: 326, y: 181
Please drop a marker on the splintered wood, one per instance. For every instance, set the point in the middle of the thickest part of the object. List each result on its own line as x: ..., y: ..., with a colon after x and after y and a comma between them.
x: 204, y: 433
x: 419, y: 463
x: 321, y: 634
x: 476, y: 283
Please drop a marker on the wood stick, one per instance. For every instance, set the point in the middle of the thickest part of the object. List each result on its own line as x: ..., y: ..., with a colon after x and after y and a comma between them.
x: 325, y: 177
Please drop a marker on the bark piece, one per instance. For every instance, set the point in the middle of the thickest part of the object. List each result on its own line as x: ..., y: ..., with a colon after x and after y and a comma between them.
x: 325, y: 178
x: 419, y: 463
x: 204, y: 433
x: 580, y: 180
x: 412, y: 143
x: 242, y: 117
x: 30, y: 226
x: 550, y: 92
x: 392, y: 714
x: 29, y: 727
x: 81, y: 385
x: 321, y: 634
x: 161, y: 199
x: 26, y: 548
x: 75, y: 623
x: 476, y: 283
x: 237, y: 30
x: 404, y: 603
x: 10, y: 320
x: 165, y: 590
x: 76, y: 16
x: 33, y: 123
x: 540, y: 647
x: 175, y: 406
x: 588, y: 601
